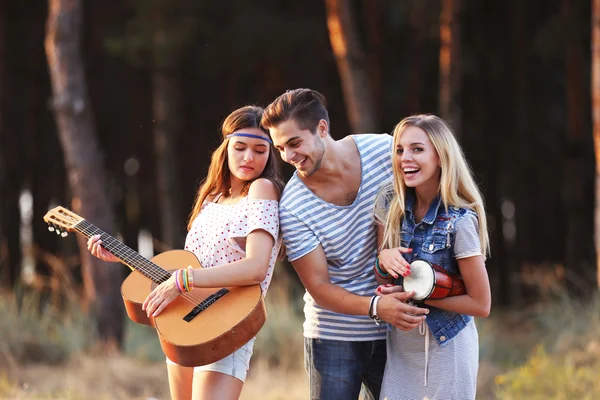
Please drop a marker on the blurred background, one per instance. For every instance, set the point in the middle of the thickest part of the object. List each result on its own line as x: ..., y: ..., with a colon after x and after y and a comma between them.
x: 112, y: 109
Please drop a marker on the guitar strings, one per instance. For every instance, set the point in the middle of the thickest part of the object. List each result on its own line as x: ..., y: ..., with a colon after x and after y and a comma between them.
x: 144, y: 265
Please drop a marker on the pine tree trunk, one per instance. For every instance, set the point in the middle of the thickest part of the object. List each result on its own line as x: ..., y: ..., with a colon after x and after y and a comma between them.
x: 524, y: 224
x: 577, y: 242
x: 166, y: 105
x: 4, y: 276
x: 414, y: 102
x: 10, y: 180
x: 596, y: 121
x: 450, y: 65
x: 166, y: 101
x: 352, y: 66
x: 73, y: 115
x: 375, y: 34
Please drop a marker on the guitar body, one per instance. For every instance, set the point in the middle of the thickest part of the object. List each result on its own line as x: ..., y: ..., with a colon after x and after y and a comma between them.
x: 220, y: 329
x: 199, y: 327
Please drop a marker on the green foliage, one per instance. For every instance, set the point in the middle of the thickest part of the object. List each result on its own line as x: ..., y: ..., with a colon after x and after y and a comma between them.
x: 565, y: 363
x: 543, y: 376
x: 34, y: 332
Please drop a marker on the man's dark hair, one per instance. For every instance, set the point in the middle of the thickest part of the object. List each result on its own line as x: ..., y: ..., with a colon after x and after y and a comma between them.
x: 305, y: 106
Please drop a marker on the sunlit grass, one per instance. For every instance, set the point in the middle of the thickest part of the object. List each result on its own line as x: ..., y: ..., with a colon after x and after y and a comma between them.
x: 548, y: 350
x: 50, y: 354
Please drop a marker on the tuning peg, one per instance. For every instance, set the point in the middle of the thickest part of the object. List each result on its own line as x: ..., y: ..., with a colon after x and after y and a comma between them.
x: 64, y: 234
x: 51, y: 228
x: 57, y: 231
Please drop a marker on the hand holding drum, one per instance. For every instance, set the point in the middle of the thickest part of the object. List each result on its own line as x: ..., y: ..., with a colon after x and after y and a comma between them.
x: 432, y: 282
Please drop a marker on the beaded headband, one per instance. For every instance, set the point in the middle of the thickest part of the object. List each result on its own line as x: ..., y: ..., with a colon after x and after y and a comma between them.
x: 250, y: 135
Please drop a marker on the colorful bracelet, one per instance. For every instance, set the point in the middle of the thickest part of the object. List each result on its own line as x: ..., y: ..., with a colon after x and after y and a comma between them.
x: 379, y: 272
x: 190, y: 277
x: 177, y: 283
x: 185, y: 281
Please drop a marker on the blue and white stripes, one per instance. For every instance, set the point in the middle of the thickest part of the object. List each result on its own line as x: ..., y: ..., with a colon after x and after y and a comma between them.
x: 348, y: 236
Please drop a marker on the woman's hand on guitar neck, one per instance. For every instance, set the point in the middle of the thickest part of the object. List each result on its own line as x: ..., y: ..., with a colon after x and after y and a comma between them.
x: 161, y: 296
x: 94, y: 245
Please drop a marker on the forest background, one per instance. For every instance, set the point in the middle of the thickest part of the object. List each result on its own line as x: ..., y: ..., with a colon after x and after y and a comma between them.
x: 112, y: 108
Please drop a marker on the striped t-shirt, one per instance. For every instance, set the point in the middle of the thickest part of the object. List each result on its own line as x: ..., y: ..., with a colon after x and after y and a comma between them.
x: 348, y: 235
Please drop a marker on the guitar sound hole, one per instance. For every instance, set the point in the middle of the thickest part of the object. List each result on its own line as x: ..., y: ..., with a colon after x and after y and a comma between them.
x: 205, y: 304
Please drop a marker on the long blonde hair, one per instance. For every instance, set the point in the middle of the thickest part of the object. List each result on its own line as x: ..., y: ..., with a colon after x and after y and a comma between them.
x: 218, y: 179
x: 457, y: 186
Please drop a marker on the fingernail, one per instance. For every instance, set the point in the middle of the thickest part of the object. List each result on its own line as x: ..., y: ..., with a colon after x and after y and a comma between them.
x: 410, y: 250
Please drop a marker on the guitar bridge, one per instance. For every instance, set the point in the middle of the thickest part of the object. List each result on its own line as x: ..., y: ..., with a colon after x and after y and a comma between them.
x: 205, y: 304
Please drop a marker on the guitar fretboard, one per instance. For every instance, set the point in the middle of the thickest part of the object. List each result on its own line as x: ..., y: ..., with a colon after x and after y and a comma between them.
x: 125, y: 253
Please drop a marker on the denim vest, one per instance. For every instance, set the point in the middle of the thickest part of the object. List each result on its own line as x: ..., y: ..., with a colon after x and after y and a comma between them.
x: 432, y: 240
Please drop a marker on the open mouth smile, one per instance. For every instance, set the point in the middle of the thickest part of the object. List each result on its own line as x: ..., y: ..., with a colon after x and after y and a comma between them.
x: 410, y: 171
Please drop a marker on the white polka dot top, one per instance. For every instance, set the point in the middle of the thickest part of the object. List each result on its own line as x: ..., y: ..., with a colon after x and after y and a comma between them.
x: 218, y: 233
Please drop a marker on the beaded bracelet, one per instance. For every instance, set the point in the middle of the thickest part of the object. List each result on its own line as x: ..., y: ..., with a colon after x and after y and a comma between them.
x: 378, y: 271
x: 190, y: 277
x: 186, y: 280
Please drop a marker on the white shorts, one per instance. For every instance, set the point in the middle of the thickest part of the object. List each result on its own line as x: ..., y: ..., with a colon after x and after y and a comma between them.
x: 235, y: 364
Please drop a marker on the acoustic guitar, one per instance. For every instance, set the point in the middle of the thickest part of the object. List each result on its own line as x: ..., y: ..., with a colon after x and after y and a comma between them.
x: 199, y: 327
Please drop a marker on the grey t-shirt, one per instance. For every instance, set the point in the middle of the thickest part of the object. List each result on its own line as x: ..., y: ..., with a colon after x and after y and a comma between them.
x: 467, y: 243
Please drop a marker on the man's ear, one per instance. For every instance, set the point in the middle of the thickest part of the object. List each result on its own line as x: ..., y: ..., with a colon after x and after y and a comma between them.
x: 322, y: 128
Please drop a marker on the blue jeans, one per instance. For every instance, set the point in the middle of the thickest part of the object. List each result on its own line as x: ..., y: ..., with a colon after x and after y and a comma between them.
x: 336, y: 369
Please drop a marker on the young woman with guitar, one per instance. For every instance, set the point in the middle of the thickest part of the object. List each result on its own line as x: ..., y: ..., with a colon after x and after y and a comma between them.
x: 233, y: 230
x: 432, y: 214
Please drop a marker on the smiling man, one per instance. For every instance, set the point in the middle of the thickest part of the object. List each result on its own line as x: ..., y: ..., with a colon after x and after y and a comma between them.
x: 326, y: 217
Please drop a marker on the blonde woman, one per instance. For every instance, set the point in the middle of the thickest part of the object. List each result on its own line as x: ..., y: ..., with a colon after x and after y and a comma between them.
x: 435, y: 202
x: 233, y: 229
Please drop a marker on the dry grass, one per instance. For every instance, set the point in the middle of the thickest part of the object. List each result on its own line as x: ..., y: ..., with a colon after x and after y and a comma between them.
x: 49, y: 357
x: 121, y: 378
x: 89, y: 377
x: 52, y: 357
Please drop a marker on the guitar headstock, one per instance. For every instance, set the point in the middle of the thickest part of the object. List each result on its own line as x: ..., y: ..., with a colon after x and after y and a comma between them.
x: 61, y: 220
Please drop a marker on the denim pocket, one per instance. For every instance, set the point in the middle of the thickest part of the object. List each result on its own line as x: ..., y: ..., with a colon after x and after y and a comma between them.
x: 434, y: 243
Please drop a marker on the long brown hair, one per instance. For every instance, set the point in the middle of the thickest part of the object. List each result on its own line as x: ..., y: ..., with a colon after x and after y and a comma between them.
x: 218, y: 179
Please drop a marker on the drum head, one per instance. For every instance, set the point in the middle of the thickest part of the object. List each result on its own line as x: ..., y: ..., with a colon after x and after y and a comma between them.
x: 421, y: 279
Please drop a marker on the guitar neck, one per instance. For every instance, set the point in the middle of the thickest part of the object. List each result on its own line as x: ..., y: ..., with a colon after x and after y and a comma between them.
x: 126, y: 254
